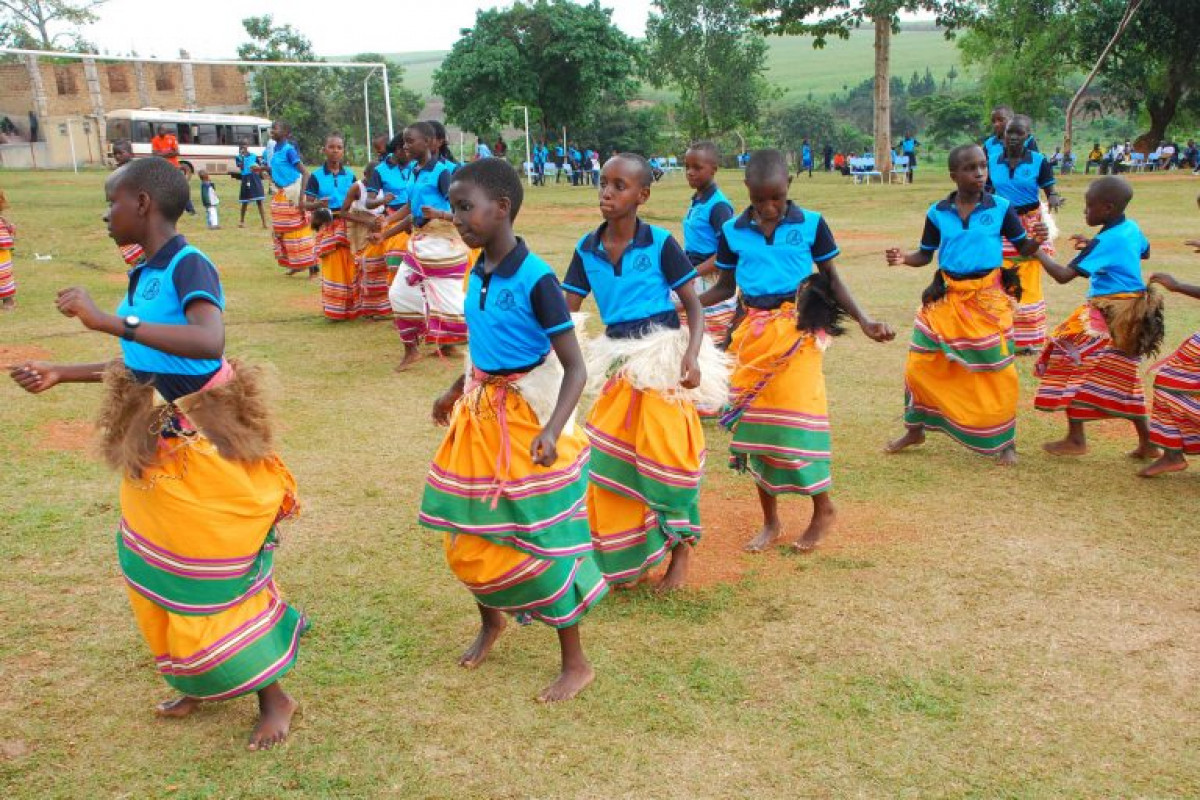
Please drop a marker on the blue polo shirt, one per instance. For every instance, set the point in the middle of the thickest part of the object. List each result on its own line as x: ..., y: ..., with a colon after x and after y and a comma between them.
x: 430, y: 186
x: 513, y: 311
x: 710, y: 209
x: 1112, y: 260
x: 634, y: 293
x: 1020, y: 186
x: 993, y: 146
x: 160, y: 290
x: 769, y: 269
x: 391, y: 177
x: 246, y: 163
x: 285, y: 164
x: 909, y: 146
x: 973, y: 248
x: 322, y: 183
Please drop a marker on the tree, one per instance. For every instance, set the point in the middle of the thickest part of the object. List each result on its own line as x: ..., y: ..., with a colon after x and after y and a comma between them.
x: 346, y: 99
x: 704, y: 48
x: 950, y: 120
x: 38, y: 24
x: 824, y: 18
x: 617, y: 126
x: 558, y: 58
x: 804, y: 121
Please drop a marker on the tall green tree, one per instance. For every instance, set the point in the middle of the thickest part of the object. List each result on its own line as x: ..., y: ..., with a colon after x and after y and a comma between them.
x: 346, y: 105
x: 556, y: 57
x: 47, y: 24
x: 707, y: 51
x: 821, y: 19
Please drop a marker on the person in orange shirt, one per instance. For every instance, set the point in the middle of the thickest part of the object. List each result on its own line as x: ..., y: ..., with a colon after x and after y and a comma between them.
x: 166, y: 146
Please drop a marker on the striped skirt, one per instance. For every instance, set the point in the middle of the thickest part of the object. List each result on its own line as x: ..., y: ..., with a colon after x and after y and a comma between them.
x: 960, y: 377
x: 8, y: 281
x: 339, y: 273
x: 196, y: 546
x: 374, y: 279
x: 1029, y: 321
x: 516, y: 533
x: 428, y: 292
x: 1083, y: 374
x: 295, y: 243
x: 778, y: 413
x: 1175, y: 418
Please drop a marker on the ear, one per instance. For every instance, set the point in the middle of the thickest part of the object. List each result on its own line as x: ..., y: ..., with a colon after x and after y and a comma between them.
x: 643, y: 195
x: 503, y: 206
x: 144, y: 204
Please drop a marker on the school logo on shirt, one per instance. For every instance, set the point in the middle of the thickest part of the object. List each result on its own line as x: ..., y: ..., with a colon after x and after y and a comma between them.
x: 985, y: 219
x: 793, y: 237
x: 507, y: 301
x: 151, y: 290
x: 642, y: 263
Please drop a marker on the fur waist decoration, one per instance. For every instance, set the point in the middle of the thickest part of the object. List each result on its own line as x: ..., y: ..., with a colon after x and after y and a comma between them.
x: 233, y: 416
x: 652, y: 362
x: 1135, y: 321
x: 817, y: 309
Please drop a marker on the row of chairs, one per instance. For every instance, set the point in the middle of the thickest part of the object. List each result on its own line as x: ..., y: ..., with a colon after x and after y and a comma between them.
x: 862, y: 170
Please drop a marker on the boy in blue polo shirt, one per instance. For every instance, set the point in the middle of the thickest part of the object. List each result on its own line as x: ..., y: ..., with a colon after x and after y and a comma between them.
x: 324, y: 195
x: 647, y: 443
x: 1091, y: 367
x: 781, y: 258
x: 507, y: 485
x: 993, y: 145
x: 708, y: 211
x: 960, y: 376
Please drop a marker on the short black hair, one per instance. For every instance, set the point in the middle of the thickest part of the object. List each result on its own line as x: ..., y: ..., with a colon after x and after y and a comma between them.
x: 1005, y: 110
x: 158, y: 178
x: 956, y: 155
x: 124, y: 145
x: 1114, y: 190
x: 496, y: 178
x: 707, y: 148
x: 645, y: 171
x: 439, y: 130
x: 1024, y: 121
x: 396, y: 143
x: 424, y: 128
x: 334, y: 135
x: 284, y: 125
x: 767, y: 165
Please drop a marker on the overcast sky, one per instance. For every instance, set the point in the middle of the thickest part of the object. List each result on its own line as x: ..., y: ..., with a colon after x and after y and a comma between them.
x: 213, y: 28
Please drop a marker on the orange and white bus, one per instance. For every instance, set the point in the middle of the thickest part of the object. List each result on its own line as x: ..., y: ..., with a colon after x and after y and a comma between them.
x: 206, y: 141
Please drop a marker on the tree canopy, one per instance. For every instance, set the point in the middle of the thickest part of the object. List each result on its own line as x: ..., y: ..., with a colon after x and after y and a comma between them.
x: 46, y: 24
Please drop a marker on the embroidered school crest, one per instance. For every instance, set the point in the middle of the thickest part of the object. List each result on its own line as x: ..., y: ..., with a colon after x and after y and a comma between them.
x: 642, y: 263
x: 506, y: 302
x: 793, y: 237
x: 151, y: 290
x: 986, y: 219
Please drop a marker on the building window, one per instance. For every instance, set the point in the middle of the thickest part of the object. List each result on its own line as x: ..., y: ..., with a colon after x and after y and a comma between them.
x: 118, y: 79
x: 64, y: 80
x: 164, y: 81
x: 217, y: 76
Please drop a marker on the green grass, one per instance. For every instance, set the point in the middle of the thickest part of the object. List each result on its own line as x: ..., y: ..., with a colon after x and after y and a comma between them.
x: 968, y: 631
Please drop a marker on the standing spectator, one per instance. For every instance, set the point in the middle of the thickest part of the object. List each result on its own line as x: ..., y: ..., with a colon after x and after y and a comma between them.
x: 909, y: 148
x: 481, y: 149
x: 806, y: 157
x: 560, y: 159
x: 165, y: 145
x: 1095, y: 157
x: 538, y: 160
x: 500, y: 148
x: 828, y: 153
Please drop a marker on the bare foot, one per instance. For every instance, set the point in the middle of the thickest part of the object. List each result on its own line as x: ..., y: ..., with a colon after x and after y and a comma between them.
x: 1170, y: 462
x: 1065, y: 447
x: 489, y: 632
x: 275, y: 711
x: 911, y: 438
x: 411, y: 356
x: 448, y: 350
x: 766, y: 535
x: 241, y: 224
x: 1007, y: 457
x: 570, y: 682
x: 177, y: 708
x: 625, y: 586
x: 1145, y: 452
x: 292, y: 272
x: 818, y: 527
x: 677, y: 572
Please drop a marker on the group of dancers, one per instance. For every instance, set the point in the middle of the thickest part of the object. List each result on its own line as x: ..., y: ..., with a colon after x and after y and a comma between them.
x: 542, y: 511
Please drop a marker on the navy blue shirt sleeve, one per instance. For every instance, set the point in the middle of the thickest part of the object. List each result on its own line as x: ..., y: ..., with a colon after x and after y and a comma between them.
x: 1045, y: 176
x: 1010, y: 227
x: 824, y: 248
x: 313, y: 189
x: 549, y: 306
x: 577, y: 281
x: 719, y: 215
x: 726, y: 257
x: 676, y: 266
x: 931, y: 237
x: 196, y: 278
x: 1031, y: 144
x: 444, y: 183
x: 374, y: 183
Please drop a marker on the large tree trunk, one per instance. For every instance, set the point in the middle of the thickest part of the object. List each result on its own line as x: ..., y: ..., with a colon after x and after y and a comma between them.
x: 883, y: 94
x: 1161, y: 112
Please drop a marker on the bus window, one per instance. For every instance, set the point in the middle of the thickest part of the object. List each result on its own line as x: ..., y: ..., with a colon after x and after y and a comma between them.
x: 247, y: 132
x: 143, y: 131
x: 185, y: 133
x: 206, y: 134
x: 118, y: 129
x: 264, y: 134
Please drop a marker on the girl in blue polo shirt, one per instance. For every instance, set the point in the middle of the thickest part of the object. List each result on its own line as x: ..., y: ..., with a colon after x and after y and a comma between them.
x: 294, y: 240
x: 201, y: 487
x: 1175, y: 420
x: 251, y: 191
x: 507, y: 485
x: 324, y: 196
x: 781, y: 258
x: 960, y: 376
x: 1091, y: 367
x: 647, y: 443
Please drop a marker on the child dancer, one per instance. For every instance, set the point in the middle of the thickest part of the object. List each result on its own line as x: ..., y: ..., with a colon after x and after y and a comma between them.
x: 781, y: 257
x: 8, y: 239
x: 202, y: 489
x: 1017, y: 175
x: 1175, y: 420
x: 648, y: 446
x: 1091, y: 366
x: 961, y: 377
x: 363, y: 213
x: 993, y: 145
x: 507, y: 484
x: 393, y: 178
x: 709, y: 210
x: 295, y: 242
x: 251, y: 190
x: 122, y: 152
x: 210, y: 201
x: 326, y: 190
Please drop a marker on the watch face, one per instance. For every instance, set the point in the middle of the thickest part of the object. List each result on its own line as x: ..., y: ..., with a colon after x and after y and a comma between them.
x: 133, y: 321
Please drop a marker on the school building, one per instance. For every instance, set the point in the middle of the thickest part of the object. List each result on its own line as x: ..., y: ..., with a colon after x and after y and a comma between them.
x: 64, y: 102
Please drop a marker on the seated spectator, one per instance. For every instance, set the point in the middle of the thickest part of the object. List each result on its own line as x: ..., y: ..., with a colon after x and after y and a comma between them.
x: 1095, y: 157
x: 1056, y: 159
x: 1190, y: 156
x: 1168, y: 157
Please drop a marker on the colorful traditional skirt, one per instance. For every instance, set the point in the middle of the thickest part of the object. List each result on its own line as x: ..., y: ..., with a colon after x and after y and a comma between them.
x: 339, y: 272
x: 1175, y: 418
x: 294, y: 241
x: 132, y: 254
x: 427, y: 294
x: 394, y: 250
x: 516, y: 533
x: 1029, y: 321
x: 374, y: 279
x: 1084, y: 374
x: 960, y: 377
x: 8, y: 281
x: 778, y: 413
x: 196, y: 545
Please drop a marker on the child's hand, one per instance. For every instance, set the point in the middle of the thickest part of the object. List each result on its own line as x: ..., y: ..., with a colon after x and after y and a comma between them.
x: 375, y: 237
x: 388, y: 198
x: 1164, y: 280
x: 1040, y: 231
x: 1055, y: 201
x: 429, y: 212
x: 35, y: 377
x: 894, y: 256
x: 76, y: 302
x: 877, y: 331
x: 1193, y: 243
x: 544, y: 449
x: 1080, y: 241
x: 443, y: 407
x: 689, y: 372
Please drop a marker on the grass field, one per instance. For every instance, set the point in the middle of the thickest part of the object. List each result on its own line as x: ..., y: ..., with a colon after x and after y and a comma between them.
x: 967, y: 632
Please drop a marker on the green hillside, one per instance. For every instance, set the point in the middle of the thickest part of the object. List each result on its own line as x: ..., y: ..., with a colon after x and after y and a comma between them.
x: 793, y: 64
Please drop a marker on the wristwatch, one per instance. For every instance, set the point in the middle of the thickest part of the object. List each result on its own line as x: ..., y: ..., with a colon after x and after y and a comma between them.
x: 131, y: 326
